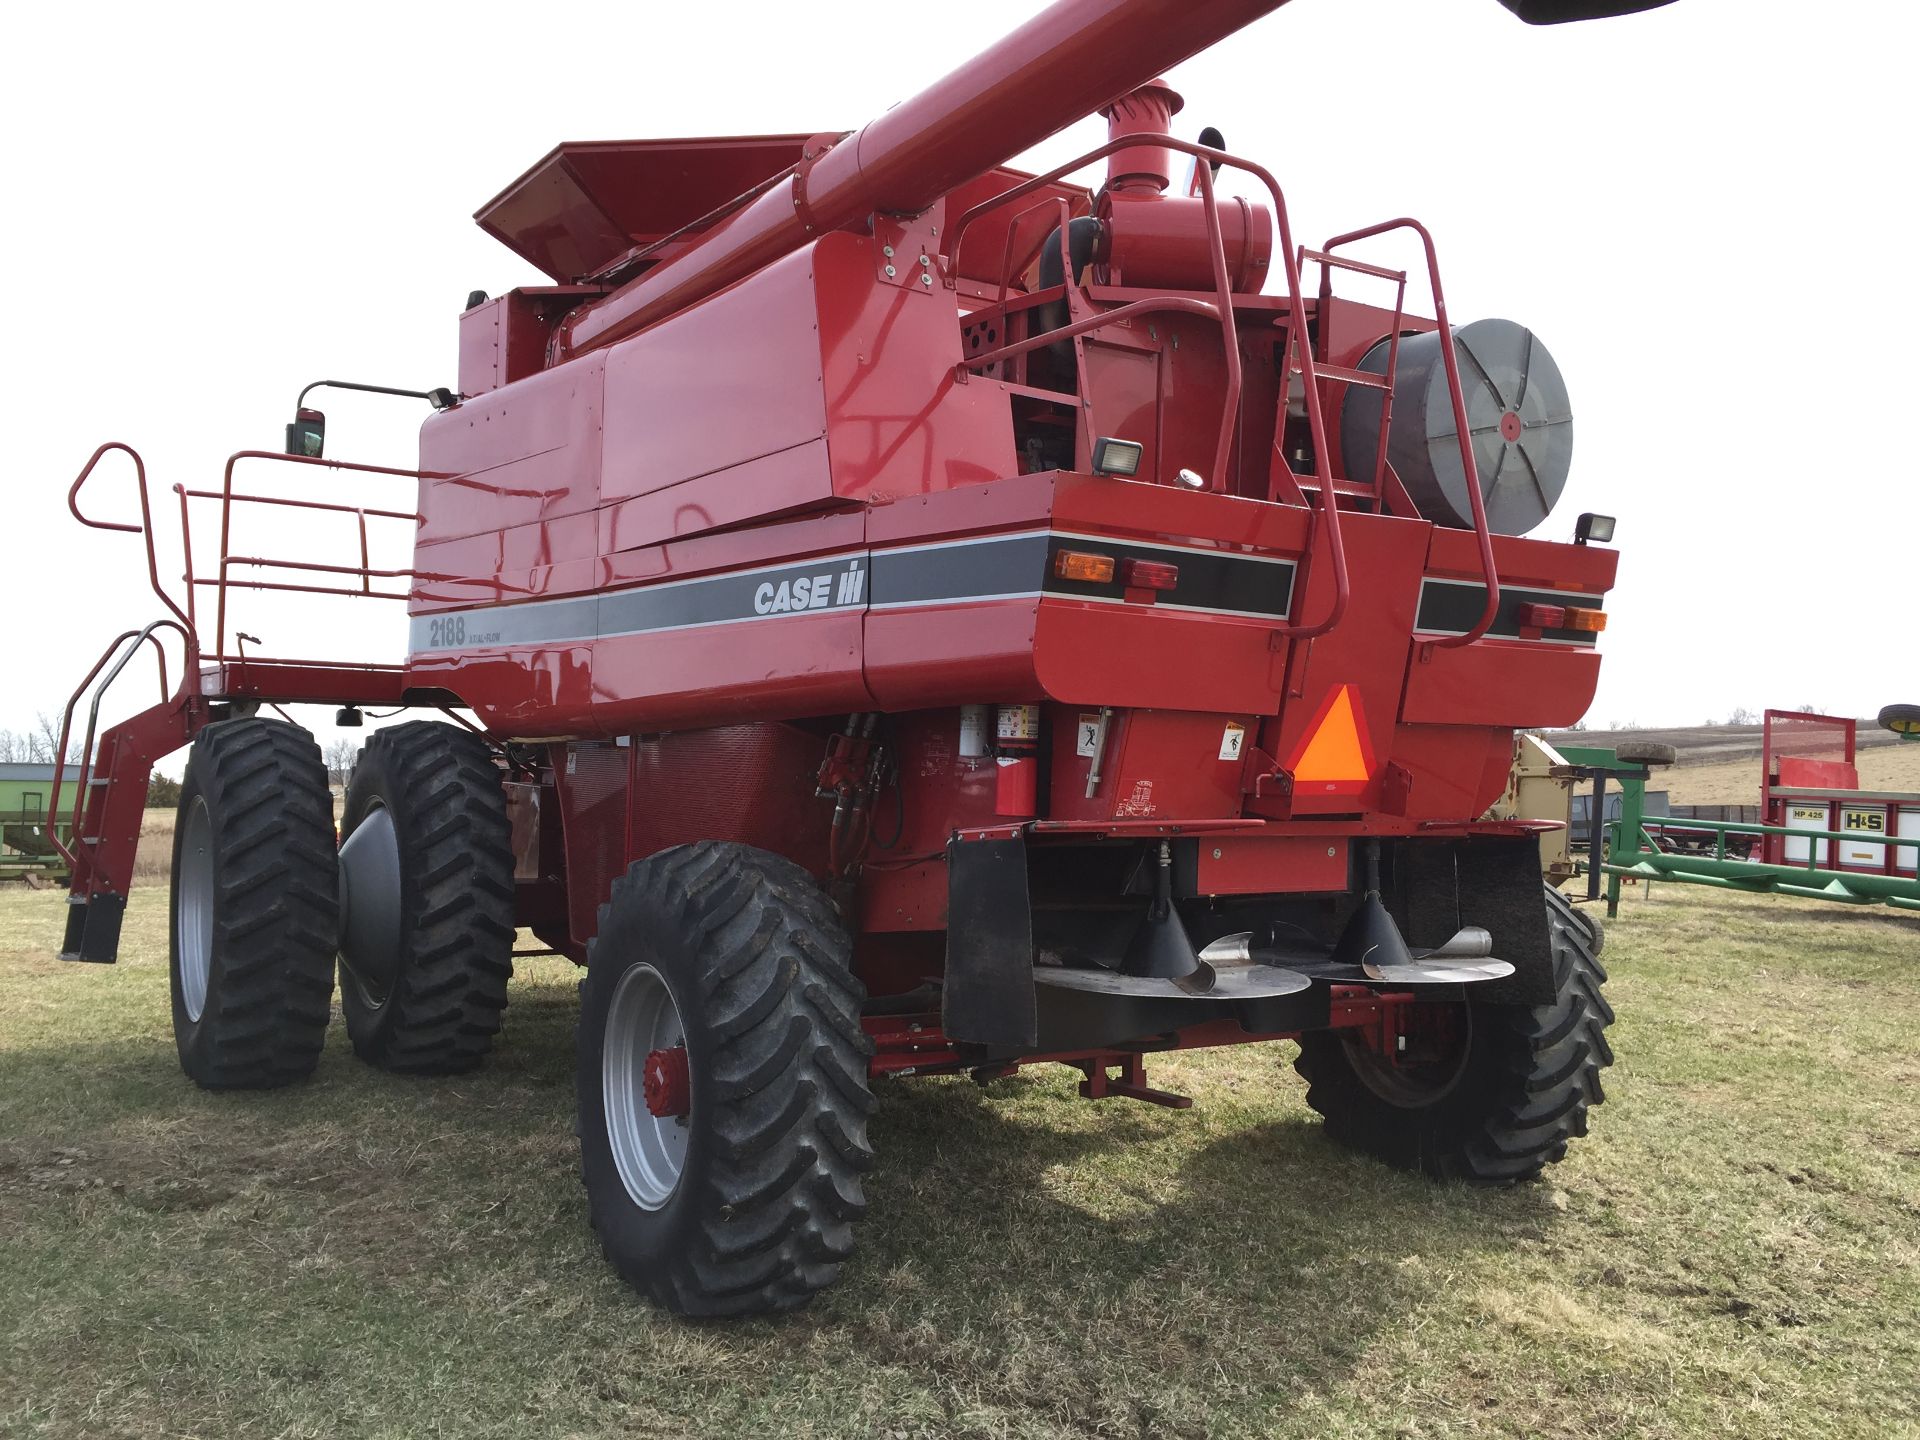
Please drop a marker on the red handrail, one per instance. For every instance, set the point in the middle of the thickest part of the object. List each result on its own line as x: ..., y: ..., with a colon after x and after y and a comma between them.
x: 226, y: 496
x: 144, y: 528
x: 1329, y: 511
x: 1182, y: 304
x: 138, y: 637
x: 1489, y: 569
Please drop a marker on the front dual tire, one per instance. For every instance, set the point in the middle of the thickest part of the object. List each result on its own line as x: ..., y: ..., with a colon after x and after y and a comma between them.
x: 417, y: 904
x: 253, y: 912
x: 426, y: 935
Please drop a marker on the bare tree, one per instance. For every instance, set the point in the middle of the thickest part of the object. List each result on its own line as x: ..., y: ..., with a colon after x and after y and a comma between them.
x: 10, y: 746
x: 44, y: 743
x: 340, y: 756
x: 1742, y: 716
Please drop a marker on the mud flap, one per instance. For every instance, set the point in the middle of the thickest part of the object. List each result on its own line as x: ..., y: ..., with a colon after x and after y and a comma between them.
x: 1492, y: 881
x: 93, y: 928
x: 988, y: 998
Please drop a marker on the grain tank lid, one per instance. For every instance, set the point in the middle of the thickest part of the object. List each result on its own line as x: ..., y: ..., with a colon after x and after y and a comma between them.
x: 589, y: 202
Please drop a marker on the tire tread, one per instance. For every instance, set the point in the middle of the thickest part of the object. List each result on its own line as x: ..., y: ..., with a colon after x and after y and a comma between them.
x: 789, y: 1112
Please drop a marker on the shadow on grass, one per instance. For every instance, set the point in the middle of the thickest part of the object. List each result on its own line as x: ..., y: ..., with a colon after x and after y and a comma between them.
x: 1027, y: 1249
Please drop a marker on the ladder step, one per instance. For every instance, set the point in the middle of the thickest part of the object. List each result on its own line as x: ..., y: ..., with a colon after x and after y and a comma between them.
x: 1359, y: 267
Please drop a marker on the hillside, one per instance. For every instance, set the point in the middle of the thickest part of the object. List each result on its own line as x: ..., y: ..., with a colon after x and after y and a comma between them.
x: 1720, y: 764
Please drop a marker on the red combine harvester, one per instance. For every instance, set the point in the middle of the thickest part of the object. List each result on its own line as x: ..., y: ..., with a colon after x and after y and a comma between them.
x: 920, y: 619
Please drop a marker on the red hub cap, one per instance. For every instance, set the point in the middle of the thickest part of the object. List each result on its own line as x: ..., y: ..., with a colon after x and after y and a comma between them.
x: 1510, y: 427
x: 664, y: 1082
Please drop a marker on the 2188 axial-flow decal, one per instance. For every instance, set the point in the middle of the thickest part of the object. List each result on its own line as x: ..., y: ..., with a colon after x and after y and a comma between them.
x: 917, y: 618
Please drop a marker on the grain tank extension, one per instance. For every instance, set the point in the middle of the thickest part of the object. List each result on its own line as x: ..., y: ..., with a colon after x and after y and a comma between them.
x: 916, y: 618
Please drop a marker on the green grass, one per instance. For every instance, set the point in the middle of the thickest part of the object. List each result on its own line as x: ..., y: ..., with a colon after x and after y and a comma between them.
x: 1734, y: 1251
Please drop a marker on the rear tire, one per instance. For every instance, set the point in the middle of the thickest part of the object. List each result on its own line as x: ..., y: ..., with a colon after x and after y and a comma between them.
x: 739, y: 1196
x: 1519, y: 1090
x: 423, y: 988
x: 1596, y: 932
x: 253, y: 911
x: 1901, y: 719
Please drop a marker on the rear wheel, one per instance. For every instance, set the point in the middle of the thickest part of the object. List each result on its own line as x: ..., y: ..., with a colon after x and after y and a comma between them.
x: 253, y: 909
x: 1490, y: 1094
x: 1901, y: 719
x: 426, y: 946
x: 722, y: 1082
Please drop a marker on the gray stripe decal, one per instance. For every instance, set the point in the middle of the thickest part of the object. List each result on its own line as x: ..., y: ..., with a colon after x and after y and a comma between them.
x: 945, y: 572
x: 835, y: 582
x: 1449, y: 607
x: 1013, y: 565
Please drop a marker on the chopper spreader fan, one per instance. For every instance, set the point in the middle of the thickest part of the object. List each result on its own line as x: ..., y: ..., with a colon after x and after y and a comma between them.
x: 1369, y: 958
x: 1243, y: 981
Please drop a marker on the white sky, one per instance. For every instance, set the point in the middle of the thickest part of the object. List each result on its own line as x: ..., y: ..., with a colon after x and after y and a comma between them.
x: 1697, y: 209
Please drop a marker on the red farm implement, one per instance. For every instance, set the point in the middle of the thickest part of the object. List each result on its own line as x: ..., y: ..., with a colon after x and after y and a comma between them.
x: 1821, y: 836
x: 917, y: 618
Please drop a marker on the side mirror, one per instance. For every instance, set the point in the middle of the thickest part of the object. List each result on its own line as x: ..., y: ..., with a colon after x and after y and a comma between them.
x: 307, y: 434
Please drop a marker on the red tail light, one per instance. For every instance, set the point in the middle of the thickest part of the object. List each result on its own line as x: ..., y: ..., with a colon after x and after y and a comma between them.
x: 1533, y: 616
x: 1149, y: 575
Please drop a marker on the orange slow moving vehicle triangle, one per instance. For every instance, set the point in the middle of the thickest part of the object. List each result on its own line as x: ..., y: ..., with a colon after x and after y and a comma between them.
x: 1335, y: 758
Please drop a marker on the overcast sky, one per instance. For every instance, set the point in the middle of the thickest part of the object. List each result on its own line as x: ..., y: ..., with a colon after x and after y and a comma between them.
x: 1699, y: 210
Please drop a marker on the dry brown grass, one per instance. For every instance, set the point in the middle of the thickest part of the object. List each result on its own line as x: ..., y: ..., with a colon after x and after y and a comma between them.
x: 153, y: 863
x: 1883, y: 767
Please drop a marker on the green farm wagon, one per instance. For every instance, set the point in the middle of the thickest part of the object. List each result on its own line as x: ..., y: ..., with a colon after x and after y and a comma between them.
x: 26, y: 827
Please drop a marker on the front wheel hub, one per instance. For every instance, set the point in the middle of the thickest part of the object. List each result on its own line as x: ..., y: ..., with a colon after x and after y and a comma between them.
x: 664, y: 1083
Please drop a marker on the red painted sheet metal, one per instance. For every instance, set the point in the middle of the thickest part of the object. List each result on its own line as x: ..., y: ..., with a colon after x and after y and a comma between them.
x: 1141, y: 655
x: 1153, y: 763
x: 766, y: 487
x: 1455, y: 769
x: 730, y: 381
x: 1170, y: 515
x: 796, y: 540
x: 522, y: 562
x: 1272, y: 864
x: 792, y: 666
x: 951, y: 654
x: 585, y: 203
x: 593, y: 781
x: 901, y: 424
x: 300, y: 681
x: 1520, y: 685
x: 1389, y: 553
x: 748, y: 783
x: 527, y: 453
x: 1525, y: 562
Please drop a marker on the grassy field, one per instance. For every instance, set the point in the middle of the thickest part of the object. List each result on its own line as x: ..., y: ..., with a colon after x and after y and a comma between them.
x: 1735, y: 1251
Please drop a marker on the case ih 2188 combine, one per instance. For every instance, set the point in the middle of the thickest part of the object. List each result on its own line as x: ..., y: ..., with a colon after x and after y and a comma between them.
x: 920, y: 618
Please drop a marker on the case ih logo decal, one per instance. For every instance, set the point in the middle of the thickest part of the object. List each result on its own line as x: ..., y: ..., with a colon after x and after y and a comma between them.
x: 811, y: 592
x: 955, y: 572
